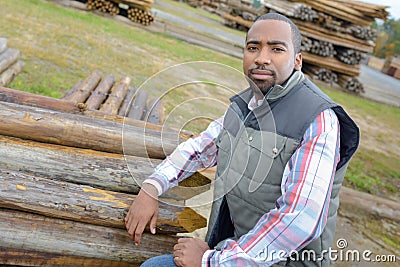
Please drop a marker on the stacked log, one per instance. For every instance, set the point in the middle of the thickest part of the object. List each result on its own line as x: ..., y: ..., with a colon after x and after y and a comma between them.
x: 137, y: 11
x: 64, y: 200
x: 10, y: 65
x: 321, y: 74
x: 105, y: 95
x: 317, y: 47
x: 349, y: 56
x: 351, y: 84
x: 140, y: 16
x: 103, y: 6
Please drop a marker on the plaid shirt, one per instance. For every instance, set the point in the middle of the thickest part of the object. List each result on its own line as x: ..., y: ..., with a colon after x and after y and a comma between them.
x: 301, y: 212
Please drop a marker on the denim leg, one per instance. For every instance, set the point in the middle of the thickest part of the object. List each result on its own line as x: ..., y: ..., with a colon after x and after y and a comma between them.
x: 160, y: 261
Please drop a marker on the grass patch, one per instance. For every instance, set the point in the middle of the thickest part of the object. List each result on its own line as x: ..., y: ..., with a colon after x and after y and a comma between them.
x: 377, y: 174
x: 62, y: 46
x: 377, y: 111
x: 388, y: 235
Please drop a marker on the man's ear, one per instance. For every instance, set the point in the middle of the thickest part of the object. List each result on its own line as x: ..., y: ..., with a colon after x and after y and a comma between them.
x: 298, y: 61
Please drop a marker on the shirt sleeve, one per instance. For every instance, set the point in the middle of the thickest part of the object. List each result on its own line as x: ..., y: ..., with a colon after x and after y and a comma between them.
x: 301, y: 212
x: 190, y: 156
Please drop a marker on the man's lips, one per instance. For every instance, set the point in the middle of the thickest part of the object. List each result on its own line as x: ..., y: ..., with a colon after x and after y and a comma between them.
x: 261, y: 74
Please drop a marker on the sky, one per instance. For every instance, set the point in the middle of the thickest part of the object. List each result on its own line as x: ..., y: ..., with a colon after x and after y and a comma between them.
x: 394, y: 8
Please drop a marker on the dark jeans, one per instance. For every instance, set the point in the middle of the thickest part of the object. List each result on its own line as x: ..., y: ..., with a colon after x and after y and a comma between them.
x: 160, y: 261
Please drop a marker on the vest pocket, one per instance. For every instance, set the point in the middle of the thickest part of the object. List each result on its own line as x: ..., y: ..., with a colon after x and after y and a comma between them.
x: 261, y: 157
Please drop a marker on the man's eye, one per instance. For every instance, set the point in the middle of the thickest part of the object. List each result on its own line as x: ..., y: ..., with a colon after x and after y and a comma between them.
x: 278, y: 49
x: 252, y: 48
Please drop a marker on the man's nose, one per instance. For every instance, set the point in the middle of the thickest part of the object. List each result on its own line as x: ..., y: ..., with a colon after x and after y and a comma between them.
x: 263, y: 58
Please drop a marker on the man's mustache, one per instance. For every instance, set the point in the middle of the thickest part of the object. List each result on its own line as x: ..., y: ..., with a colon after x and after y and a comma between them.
x: 262, y: 68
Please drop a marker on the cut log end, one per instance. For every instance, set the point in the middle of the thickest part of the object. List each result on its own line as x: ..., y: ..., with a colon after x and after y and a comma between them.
x: 191, y: 220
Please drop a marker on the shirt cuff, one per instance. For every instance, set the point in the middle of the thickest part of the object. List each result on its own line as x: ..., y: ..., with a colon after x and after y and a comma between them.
x: 154, y: 183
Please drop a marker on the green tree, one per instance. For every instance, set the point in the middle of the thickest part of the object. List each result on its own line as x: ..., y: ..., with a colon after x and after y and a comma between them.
x: 388, y: 40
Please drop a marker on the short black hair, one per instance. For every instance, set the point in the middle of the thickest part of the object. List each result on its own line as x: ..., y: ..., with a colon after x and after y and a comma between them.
x: 296, y: 35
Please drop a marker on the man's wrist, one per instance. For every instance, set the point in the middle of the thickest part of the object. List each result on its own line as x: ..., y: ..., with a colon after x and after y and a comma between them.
x: 150, y: 190
x: 154, y: 184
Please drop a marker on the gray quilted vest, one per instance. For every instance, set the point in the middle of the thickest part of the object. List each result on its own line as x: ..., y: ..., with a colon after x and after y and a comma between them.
x: 253, y: 149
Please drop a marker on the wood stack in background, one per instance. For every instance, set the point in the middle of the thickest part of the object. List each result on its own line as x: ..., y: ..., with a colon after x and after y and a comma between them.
x: 137, y: 11
x: 103, y: 6
x: 10, y: 65
x: 337, y: 35
x: 69, y: 173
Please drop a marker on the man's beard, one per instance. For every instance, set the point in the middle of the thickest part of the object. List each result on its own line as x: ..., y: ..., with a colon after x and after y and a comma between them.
x: 264, y: 86
x: 261, y: 85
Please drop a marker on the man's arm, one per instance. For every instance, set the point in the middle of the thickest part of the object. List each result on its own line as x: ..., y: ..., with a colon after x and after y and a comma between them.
x: 194, y: 154
x: 301, y: 212
x: 190, y: 156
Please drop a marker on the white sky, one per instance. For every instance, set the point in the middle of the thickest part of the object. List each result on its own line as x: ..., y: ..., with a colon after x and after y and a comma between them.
x: 394, y: 8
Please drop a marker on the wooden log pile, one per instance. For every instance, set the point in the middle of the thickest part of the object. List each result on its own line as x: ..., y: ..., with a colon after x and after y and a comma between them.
x: 10, y: 65
x: 103, y: 6
x: 63, y: 201
x: 350, y: 83
x: 108, y: 96
x: 318, y: 47
x: 337, y: 35
x: 141, y: 16
x: 349, y: 56
x: 137, y: 11
x: 321, y: 74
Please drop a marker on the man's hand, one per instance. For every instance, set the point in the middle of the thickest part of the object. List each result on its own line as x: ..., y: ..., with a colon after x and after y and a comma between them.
x: 142, y: 210
x: 189, y: 252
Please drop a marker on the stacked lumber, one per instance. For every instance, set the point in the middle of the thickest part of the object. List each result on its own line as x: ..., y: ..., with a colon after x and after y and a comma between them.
x: 64, y: 200
x: 10, y: 65
x: 337, y: 35
x: 108, y: 96
x: 140, y: 16
x: 351, y: 84
x: 103, y: 6
x: 317, y: 47
x: 322, y: 74
x: 137, y: 11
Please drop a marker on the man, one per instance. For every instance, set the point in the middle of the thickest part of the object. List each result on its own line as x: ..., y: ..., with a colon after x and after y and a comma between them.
x: 281, y: 150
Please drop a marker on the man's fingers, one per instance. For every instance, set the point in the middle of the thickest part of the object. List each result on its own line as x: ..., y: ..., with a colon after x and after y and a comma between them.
x: 153, y: 224
x: 138, y: 232
x: 131, y: 226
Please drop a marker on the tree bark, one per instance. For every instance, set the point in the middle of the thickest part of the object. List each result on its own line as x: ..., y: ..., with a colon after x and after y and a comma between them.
x: 374, y: 205
x: 100, y: 93
x: 74, y: 88
x: 87, y: 204
x: 83, y: 132
x: 8, y: 57
x: 23, y: 257
x: 8, y: 75
x: 156, y: 113
x: 88, y: 167
x: 138, y: 108
x: 79, y: 95
x: 125, y: 107
x: 33, y: 100
x: 115, y: 98
x: 37, y: 233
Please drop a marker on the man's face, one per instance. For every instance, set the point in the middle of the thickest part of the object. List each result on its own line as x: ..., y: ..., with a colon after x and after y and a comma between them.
x: 269, y: 56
